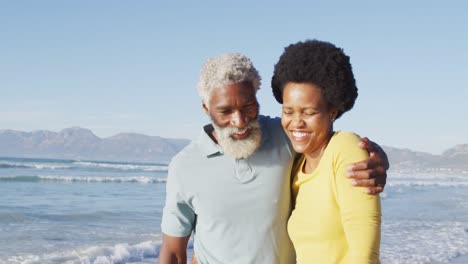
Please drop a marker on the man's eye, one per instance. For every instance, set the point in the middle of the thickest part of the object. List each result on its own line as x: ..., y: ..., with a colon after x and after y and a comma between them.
x: 287, y: 112
x: 250, y: 107
x: 225, y: 112
x: 310, y: 113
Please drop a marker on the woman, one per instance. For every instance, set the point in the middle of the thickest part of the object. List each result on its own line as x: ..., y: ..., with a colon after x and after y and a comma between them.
x: 332, y: 222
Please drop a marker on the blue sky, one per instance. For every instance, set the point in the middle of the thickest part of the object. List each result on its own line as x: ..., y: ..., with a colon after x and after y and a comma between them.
x: 132, y: 66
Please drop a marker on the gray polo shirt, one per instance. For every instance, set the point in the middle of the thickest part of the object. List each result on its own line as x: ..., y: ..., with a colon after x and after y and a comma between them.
x: 237, y: 209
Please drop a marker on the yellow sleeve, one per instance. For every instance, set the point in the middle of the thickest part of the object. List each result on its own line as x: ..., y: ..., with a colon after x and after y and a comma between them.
x: 360, y: 212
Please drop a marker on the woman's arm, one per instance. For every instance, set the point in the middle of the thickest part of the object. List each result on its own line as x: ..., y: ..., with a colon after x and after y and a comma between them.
x: 360, y: 212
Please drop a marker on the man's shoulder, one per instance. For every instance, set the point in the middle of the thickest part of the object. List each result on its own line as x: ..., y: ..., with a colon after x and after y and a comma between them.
x: 188, y: 152
x: 270, y: 124
x: 265, y: 119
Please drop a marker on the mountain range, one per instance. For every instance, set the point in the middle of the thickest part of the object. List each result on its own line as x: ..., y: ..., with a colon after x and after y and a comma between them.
x: 82, y: 144
x: 454, y: 159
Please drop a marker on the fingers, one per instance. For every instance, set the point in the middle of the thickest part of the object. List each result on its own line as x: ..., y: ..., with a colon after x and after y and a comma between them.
x: 375, y: 152
x: 370, y: 173
x: 363, y: 182
x: 371, y: 163
x: 380, y: 157
x: 375, y: 190
x: 367, y: 164
x: 366, y: 144
x: 374, y: 186
x: 369, y: 182
x: 365, y: 174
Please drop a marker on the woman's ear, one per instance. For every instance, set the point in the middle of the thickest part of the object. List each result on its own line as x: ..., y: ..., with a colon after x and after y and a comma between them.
x: 333, y: 115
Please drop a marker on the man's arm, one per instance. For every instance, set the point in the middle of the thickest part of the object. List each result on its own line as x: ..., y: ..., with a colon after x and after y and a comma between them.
x: 371, y: 172
x: 173, y: 250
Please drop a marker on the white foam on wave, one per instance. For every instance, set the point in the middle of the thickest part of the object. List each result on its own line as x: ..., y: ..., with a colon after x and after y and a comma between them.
x: 120, y: 253
x: 426, y: 180
x: 420, y: 242
x: 104, y: 179
x: 84, y: 165
x: 35, y: 165
x: 121, y: 166
x: 428, y: 176
x: 426, y: 183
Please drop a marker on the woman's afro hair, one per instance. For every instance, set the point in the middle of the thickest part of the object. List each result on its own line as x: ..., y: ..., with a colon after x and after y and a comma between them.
x: 319, y: 63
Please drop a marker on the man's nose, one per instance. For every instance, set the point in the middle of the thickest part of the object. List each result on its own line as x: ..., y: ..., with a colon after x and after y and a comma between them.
x: 239, y: 119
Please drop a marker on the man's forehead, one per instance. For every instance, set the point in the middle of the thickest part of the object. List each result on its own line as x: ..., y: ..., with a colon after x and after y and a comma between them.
x: 233, y: 100
x: 235, y: 89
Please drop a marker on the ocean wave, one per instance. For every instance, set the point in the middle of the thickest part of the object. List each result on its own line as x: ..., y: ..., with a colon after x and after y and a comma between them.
x: 120, y: 253
x: 121, y: 166
x: 426, y: 183
x: 432, y: 175
x: 98, y: 179
x: 424, y: 241
x: 39, y: 166
x: 12, y: 217
x: 147, y: 251
x: 81, y: 165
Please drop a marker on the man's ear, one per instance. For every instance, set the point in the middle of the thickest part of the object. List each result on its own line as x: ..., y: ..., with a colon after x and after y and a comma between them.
x: 205, y: 108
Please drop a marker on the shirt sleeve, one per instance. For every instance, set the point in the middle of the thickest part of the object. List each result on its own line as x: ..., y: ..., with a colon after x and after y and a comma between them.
x: 360, y: 212
x: 178, y: 217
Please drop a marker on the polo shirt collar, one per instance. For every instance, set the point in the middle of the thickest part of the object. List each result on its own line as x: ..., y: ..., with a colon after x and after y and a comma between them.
x: 207, y: 145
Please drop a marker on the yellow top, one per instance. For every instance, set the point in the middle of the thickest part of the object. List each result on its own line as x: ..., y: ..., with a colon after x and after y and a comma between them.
x: 334, y: 222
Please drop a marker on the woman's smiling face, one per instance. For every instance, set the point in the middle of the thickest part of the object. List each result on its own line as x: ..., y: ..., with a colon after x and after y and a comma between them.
x: 306, y: 117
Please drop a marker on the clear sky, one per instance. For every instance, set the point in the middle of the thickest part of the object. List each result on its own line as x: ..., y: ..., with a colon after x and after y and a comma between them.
x: 132, y: 66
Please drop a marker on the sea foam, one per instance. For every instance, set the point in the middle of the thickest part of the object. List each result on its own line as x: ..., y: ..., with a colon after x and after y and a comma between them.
x: 71, y: 179
x: 418, y: 242
x: 81, y: 165
x: 119, y: 253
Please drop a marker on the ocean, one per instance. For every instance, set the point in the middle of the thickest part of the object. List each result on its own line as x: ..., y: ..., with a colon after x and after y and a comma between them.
x: 68, y: 211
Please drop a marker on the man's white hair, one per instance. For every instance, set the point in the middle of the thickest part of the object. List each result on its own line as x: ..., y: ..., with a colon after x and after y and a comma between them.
x: 226, y: 69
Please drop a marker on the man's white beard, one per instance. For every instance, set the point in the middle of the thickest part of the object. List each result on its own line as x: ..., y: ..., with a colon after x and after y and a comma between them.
x: 239, y: 148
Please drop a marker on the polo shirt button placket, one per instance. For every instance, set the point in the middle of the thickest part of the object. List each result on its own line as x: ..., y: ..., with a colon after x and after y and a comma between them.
x: 244, y: 171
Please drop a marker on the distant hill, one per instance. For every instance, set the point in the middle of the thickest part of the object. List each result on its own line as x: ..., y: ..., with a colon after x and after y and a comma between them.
x: 81, y: 144
x: 454, y: 159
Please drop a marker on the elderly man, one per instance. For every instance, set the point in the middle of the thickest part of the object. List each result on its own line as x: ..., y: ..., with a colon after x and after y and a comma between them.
x: 231, y: 186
